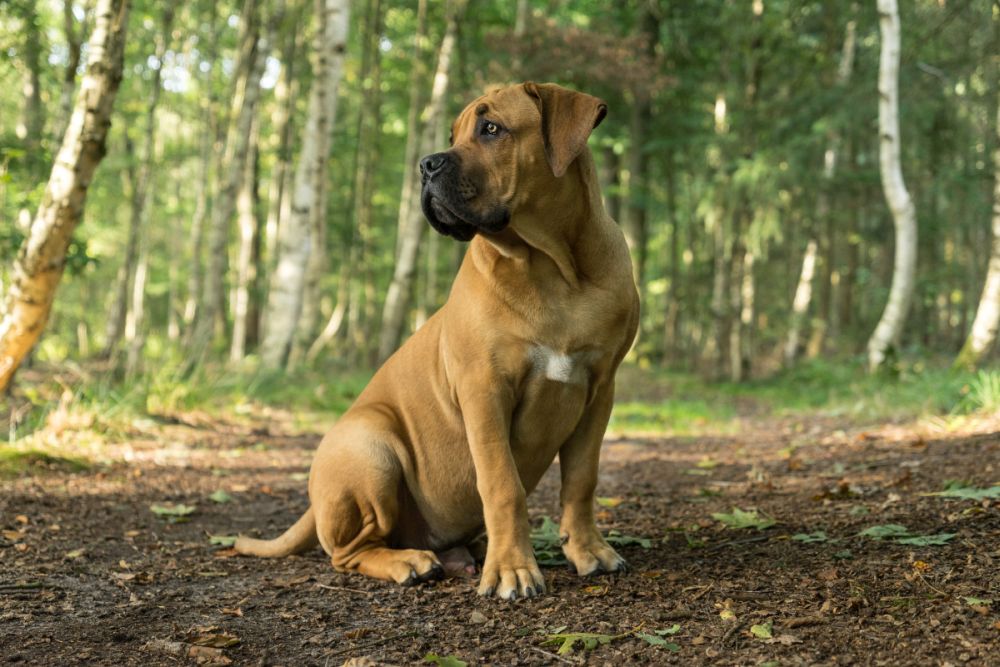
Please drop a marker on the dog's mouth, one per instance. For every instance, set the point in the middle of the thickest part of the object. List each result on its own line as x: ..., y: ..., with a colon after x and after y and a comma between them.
x: 445, y: 219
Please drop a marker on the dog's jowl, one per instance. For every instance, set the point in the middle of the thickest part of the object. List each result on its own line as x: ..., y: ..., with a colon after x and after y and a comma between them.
x: 431, y: 466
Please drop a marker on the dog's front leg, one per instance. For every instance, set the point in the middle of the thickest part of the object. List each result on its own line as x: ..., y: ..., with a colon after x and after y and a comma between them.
x: 583, y: 544
x: 510, y: 570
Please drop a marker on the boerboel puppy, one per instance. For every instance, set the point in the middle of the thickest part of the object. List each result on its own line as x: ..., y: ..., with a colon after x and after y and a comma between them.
x: 456, y: 428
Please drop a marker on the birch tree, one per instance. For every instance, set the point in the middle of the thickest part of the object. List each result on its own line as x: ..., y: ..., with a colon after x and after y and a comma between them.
x: 890, y: 327
x: 983, y: 334
x: 410, y: 222
x: 295, y: 237
x: 41, y: 258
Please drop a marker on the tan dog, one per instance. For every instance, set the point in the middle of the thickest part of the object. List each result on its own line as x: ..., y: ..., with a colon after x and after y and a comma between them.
x: 458, y: 426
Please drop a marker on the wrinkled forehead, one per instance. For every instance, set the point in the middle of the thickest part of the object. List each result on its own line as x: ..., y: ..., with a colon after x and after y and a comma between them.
x: 510, y: 106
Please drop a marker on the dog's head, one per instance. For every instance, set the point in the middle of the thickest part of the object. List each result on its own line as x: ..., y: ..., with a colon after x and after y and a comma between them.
x: 507, y: 149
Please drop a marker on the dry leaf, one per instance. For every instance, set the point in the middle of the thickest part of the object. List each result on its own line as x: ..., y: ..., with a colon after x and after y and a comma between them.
x: 20, y: 518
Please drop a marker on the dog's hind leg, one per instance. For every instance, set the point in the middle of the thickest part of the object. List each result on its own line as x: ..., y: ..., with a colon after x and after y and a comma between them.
x: 355, y: 489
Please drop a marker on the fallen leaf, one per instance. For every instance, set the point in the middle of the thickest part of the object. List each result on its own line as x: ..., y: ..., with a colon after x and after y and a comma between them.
x: 220, y: 496
x: 20, y: 518
x: 610, y: 502
x: 744, y: 519
x: 808, y: 538
x: 656, y: 640
x: 761, y: 631
x: 215, y: 640
x: 75, y: 553
x: 225, y: 553
x: 974, y: 601
x: 222, y: 540
x: 357, y: 633
x: 445, y: 661
x: 785, y: 640
x: 229, y: 611
x: 567, y: 640
x: 477, y: 617
x: 964, y: 492
x: 727, y: 615
x: 12, y: 535
x: 173, y: 513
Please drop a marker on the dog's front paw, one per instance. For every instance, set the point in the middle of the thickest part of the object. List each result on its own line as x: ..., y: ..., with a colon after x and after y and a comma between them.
x: 511, y: 578
x: 589, y: 553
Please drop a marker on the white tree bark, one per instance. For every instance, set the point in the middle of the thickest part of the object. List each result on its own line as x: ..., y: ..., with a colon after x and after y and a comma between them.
x: 890, y: 327
x: 410, y: 223
x: 40, y: 261
x: 983, y: 335
x: 297, y: 234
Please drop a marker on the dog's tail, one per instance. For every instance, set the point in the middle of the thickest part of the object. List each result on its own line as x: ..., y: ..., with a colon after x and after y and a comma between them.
x: 298, y: 538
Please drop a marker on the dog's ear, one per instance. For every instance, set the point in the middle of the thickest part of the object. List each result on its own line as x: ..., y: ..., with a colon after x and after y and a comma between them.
x: 568, y: 117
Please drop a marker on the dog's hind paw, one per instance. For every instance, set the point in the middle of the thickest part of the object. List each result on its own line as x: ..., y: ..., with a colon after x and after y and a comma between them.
x: 593, y: 556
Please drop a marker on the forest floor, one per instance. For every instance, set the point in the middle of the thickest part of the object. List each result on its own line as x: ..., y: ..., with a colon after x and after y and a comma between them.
x: 112, y: 561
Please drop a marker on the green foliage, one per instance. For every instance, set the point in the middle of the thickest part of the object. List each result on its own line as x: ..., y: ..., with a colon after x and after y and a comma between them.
x: 16, y: 461
x: 546, y: 543
x: 982, y: 393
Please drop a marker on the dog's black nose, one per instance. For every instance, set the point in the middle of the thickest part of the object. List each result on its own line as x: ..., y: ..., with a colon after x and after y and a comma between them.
x: 431, y: 165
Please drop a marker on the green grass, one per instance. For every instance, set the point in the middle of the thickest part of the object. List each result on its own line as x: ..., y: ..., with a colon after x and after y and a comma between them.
x: 15, y: 462
x: 648, y: 400
x: 658, y: 400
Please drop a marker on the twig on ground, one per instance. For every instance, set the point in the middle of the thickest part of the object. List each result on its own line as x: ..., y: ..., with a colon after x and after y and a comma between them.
x: 375, y: 641
x: 733, y: 543
x: 344, y: 588
x: 27, y: 586
x: 702, y: 592
x: 730, y: 632
x: 802, y: 621
x: 553, y: 656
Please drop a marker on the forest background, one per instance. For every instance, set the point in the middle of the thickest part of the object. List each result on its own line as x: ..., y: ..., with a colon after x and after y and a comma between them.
x: 255, y: 212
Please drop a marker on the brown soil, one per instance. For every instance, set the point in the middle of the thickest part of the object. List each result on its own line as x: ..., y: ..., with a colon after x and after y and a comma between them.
x: 89, y: 575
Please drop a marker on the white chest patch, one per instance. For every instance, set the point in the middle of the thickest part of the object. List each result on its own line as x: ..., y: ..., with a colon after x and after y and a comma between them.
x: 557, y: 366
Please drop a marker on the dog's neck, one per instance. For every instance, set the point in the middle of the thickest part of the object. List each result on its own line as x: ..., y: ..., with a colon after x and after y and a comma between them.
x: 568, y: 232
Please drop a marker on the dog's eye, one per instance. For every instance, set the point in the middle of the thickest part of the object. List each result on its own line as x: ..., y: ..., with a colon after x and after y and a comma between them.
x: 491, y: 128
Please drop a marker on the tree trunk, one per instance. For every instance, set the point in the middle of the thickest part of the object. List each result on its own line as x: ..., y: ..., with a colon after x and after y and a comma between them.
x: 140, y: 202
x: 410, y: 222
x: 297, y: 234
x: 250, y: 68
x: 983, y: 335
x: 890, y: 327
x: 800, y: 303
x: 285, y: 94
x: 40, y: 261
x: 635, y: 219
x: 73, y: 44
x: 368, y: 132
x: 247, y: 205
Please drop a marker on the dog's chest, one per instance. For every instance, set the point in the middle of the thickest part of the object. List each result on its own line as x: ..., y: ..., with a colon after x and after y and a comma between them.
x: 564, y: 367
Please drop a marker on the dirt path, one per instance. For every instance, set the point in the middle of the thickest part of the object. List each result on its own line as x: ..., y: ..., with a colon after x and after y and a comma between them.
x: 90, y: 575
